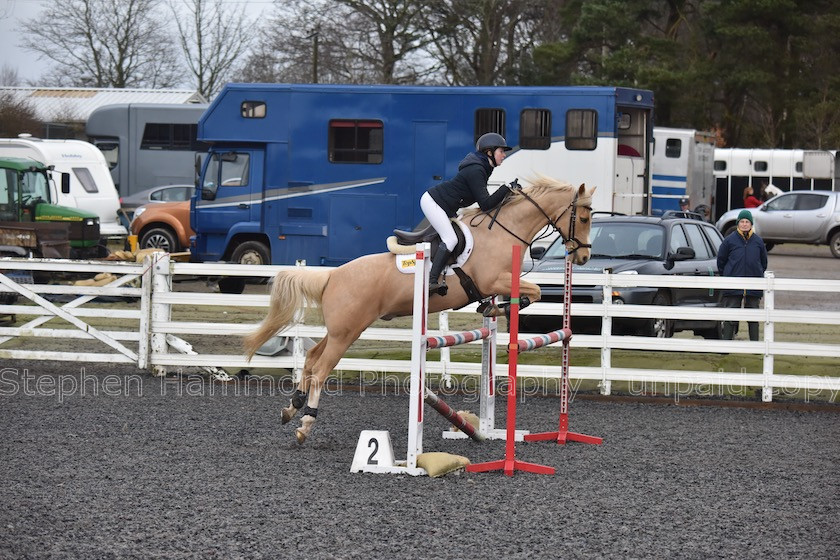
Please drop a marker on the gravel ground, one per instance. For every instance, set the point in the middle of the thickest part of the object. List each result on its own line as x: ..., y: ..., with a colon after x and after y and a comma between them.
x: 181, y: 470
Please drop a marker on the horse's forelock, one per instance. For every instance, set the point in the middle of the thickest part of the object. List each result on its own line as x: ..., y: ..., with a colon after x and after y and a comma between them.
x: 585, y: 200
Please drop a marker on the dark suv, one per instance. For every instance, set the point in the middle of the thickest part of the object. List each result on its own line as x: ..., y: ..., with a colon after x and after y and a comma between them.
x: 674, y: 243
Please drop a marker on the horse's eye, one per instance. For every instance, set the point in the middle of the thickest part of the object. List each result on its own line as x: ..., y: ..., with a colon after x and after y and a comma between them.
x: 584, y: 220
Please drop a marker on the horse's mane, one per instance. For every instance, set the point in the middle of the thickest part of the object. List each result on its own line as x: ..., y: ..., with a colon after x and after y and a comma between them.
x: 538, y: 186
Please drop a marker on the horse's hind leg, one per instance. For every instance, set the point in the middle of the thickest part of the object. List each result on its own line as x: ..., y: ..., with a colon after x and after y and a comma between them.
x: 299, y: 396
x: 321, y: 369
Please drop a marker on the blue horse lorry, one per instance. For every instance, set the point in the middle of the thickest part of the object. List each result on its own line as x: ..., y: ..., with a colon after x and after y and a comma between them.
x: 322, y: 174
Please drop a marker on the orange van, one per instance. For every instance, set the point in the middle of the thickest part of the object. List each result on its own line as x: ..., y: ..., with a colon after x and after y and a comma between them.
x: 164, y: 225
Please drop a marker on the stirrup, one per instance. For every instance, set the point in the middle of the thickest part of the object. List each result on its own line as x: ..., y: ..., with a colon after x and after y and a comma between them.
x: 438, y: 288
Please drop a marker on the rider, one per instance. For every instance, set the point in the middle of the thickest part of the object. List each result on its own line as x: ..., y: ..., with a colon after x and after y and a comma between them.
x: 442, y: 201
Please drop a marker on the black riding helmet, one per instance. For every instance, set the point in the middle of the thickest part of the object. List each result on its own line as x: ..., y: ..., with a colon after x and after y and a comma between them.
x: 491, y: 141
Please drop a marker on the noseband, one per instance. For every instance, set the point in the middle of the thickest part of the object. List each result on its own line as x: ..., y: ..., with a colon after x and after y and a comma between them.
x: 573, y: 206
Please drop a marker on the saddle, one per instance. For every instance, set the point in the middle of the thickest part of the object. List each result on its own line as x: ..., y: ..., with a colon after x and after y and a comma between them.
x: 404, y: 242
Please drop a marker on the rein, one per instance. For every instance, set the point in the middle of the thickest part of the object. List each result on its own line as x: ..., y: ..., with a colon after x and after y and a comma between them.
x: 551, y: 223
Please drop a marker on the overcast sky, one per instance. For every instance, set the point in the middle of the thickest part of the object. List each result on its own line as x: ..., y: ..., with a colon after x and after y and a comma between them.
x: 12, y: 12
x: 29, y: 67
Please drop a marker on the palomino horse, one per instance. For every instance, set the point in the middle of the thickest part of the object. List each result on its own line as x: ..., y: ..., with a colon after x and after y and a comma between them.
x: 354, y: 295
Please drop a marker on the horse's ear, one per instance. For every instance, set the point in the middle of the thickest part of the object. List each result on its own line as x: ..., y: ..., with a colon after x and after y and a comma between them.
x: 582, y: 189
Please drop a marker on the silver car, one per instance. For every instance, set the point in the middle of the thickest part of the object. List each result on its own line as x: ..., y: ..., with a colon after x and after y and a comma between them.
x: 811, y: 217
x: 165, y: 193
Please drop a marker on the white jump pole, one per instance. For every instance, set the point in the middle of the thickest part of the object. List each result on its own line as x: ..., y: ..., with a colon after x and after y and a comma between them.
x: 374, y: 452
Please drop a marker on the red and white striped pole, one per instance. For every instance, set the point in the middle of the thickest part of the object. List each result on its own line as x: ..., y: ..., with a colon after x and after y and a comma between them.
x: 562, y: 435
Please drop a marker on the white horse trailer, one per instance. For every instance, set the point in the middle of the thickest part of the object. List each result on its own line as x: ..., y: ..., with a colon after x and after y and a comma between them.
x: 737, y: 168
x: 681, y: 167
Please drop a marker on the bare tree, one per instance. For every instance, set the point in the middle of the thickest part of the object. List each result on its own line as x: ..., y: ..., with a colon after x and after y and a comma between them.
x: 294, y: 55
x: 390, y: 33
x: 481, y: 42
x: 17, y: 116
x: 348, y: 41
x: 104, y: 43
x: 9, y: 76
x: 212, y: 39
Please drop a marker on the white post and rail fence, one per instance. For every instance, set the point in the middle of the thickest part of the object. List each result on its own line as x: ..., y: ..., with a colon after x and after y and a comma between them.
x: 144, y: 328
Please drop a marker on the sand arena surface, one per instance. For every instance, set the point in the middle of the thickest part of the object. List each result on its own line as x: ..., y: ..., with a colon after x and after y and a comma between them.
x: 129, y: 466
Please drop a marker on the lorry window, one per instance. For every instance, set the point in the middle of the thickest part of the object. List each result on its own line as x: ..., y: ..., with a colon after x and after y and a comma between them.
x: 760, y: 166
x: 535, y: 129
x: 355, y: 141
x: 86, y: 179
x: 673, y: 147
x: 168, y: 136
x: 252, y: 109
x: 230, y: 169
x: 489, y: 120
x: 581, y: 129
x: 234, y: 172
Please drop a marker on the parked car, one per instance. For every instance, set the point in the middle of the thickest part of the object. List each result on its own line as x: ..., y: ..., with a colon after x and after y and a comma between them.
x: 165, y: 225
x: 811, y: 217
x: 166, y: 193
x: 671, y: 244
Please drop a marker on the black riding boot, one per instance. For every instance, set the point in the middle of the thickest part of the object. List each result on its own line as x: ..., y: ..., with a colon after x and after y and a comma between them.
x: 438, y: 264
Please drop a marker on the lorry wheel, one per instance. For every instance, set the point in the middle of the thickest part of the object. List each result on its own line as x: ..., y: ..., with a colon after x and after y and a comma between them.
x: 251, y: 252
x: 159, y: 238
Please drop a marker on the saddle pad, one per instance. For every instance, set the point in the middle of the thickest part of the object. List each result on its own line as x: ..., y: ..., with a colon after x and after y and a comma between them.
x: 405, y: 263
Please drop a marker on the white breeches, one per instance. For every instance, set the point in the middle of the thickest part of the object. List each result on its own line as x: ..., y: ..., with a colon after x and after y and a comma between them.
x: 439, y: 220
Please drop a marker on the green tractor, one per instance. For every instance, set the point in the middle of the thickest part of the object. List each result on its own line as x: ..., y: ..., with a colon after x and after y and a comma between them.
x: 31, y: 226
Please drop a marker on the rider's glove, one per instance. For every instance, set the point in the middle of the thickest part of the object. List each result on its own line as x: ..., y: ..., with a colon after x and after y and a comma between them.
x: 514, y: 185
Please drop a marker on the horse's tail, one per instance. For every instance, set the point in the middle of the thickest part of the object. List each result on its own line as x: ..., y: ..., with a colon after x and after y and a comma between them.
x: 291, y: 289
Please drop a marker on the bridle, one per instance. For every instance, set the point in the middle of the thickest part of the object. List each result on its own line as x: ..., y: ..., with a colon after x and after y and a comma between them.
x: 573, y: 206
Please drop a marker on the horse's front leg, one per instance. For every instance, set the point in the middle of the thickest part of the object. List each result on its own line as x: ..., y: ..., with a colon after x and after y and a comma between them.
x: 529, y: 290
x: 298, y: 400
x: 503, y: 286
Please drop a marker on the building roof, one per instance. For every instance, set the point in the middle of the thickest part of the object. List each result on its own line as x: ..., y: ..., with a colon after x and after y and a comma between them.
x: 75, y: 104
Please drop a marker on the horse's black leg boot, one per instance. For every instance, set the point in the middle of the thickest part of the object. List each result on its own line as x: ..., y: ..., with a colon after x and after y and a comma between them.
x: 438, y: 264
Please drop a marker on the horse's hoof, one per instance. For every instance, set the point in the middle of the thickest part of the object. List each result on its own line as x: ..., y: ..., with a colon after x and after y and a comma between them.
x: 286, y: 415
x: 301, y: 437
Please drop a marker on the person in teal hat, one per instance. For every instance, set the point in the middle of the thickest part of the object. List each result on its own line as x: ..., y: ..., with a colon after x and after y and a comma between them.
x: 742, y: 254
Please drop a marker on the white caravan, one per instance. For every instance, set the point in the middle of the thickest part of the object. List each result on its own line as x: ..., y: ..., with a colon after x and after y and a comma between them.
x: 91, y: 185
